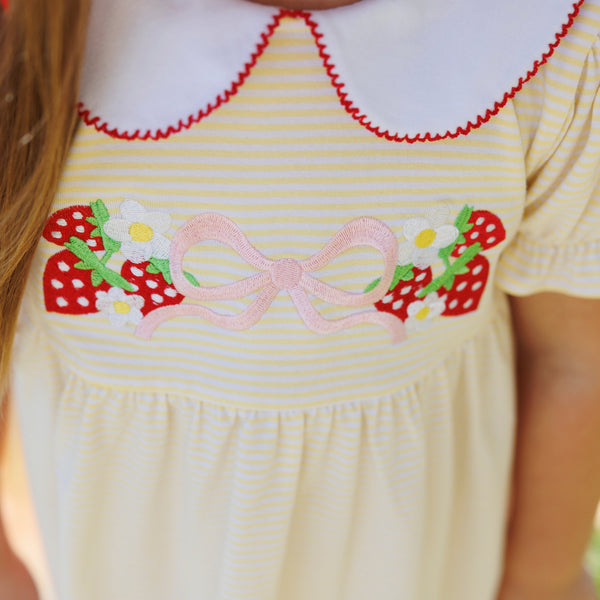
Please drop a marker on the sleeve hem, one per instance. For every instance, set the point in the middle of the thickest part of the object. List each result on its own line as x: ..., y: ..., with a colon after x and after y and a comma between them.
x: 528, y: 267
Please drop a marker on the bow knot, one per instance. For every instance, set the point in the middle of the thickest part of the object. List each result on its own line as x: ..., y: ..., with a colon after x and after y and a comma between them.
x: 286, y: 273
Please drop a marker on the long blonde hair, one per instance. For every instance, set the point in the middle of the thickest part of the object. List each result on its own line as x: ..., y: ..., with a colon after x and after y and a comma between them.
x: 41, y: 51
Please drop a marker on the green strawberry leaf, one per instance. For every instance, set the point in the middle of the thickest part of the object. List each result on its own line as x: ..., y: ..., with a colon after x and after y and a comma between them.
x: 462, y: 220
x: 101, y: 215
x: 372, y: 285
x: 445, y: 253
x: 191, y: 279
x: 96, y: 278
x: 90, y: 261
x: 152, y: 269
x: 401, y: 273
x: 449, y: 283
x: 100, y: 211
x: 446, y: 279
x: 461, y: 223
x: 162, y: 266
x: 407, y: 271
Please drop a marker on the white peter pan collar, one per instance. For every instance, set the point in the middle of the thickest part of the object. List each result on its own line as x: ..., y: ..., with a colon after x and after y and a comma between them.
x: 405, y: 69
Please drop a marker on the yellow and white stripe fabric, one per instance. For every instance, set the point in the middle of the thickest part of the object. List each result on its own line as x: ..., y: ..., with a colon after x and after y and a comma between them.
x: 276, y: 463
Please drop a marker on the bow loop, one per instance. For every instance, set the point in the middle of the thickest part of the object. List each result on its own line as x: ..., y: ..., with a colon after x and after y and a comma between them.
x: 215, y: 227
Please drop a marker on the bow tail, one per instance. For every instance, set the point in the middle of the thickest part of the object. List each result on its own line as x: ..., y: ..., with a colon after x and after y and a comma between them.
x: 315, y: 322
x: 244, y: 320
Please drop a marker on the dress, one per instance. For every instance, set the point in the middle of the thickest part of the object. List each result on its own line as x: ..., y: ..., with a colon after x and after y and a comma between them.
x: 270, y: 337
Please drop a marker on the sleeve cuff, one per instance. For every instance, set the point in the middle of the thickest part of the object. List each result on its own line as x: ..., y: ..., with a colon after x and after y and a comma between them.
x: 528, y: 267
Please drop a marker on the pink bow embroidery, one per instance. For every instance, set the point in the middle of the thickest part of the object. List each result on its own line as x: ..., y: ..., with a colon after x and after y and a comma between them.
x: 276, y: 275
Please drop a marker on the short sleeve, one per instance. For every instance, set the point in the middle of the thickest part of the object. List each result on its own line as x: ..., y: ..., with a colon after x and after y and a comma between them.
x: 557, y: 245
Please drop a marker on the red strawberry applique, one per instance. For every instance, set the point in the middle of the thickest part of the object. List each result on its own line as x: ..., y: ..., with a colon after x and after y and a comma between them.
x: 468, y: 288
x: 68, y: 289
x: 151, y: 286
x: 403, y: 293
x: 72, y: 221
x: 466, y: 271
x: 486, y: 228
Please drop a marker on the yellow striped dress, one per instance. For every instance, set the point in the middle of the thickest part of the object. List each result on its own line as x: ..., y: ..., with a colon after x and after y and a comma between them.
x: 265, y: 351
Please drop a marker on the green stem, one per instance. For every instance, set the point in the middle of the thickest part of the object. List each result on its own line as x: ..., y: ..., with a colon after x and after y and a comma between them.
x: 89, y: 261
x: 106, y: 257
x: 445, y: 258
x: 401, y: 273
x: 449, y: 274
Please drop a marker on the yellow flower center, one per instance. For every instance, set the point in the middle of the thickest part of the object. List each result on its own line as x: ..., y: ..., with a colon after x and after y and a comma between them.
x: 121, y: 308
x: 425, y: 238
x: 423, y: 313
x: 140, y: 232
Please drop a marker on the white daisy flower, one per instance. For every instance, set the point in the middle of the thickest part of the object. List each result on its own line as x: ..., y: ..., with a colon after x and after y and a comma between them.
x: 120, y: 307
x: 140, y: 232
x: 425, y: 236
x: 421, y: 312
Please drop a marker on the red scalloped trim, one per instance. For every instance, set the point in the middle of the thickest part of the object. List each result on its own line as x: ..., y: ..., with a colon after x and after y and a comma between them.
x: 354, y: 111
x: 104, y: 127
x: 346, y: 102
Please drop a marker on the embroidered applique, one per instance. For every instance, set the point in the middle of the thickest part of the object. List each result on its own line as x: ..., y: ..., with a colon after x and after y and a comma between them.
x: 121, y: 308
x: 425, y: 237
x: 422, y: 312
x: 140, y: 232
x: 151, y: 286
x: 414, y: 296
x: 152, y: 282
x: 78, y: 280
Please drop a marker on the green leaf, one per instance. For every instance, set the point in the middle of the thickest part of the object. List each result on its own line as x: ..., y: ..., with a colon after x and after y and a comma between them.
x: 90, y: 261
x: 462, y: 271
x: 92, y: 220
x: 191, y: 279
x: 162, y: 264
x: 462, y: 221
x: 80, y: 249
x: 95, y: 232
x: 401, y: 273
x: 96, y: 278
x: 445, y: 253
x: 100, y: 211
x: 115, y: 279
x: 80, y: 265
x: 152, y: 269
x: 372, y: 285
x: 101, y: 216
x: 449, y: 283
x: 446, y: 279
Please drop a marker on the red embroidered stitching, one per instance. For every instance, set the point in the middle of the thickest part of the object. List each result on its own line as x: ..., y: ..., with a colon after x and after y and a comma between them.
x: 103, y: 127
x: 5, y: 4
x: 352, y: 110
x: 428, y: 137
